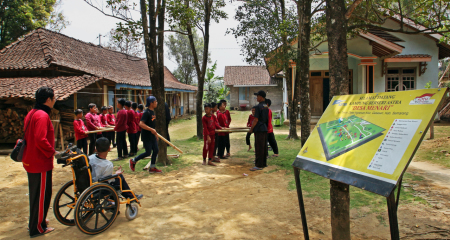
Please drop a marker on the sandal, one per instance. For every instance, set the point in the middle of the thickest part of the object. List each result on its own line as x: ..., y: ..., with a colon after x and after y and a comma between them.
x: 275, y: 155
x: 46, y: 222
x: 255, y: 168
x: 47, y: 230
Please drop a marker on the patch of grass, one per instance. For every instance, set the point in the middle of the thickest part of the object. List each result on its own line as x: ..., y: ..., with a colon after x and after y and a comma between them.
x: 382, y: 220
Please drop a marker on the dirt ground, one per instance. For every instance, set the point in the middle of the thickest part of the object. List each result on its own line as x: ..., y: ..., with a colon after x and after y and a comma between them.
x: 200, y: 202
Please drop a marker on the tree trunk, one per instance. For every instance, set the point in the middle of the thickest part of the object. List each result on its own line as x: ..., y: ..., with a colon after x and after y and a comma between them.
x: 337, y: 47
x: 302, y: 76
x: 155, y: 60
x: 200, y: 72
x: 338, y: 60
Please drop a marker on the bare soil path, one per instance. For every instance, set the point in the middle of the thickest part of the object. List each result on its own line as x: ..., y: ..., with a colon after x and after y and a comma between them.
x: 201, y: 202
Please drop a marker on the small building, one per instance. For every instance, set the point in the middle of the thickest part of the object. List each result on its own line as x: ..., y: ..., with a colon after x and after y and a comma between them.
x: 378, y: 61
x: 80, y: 73
x: 244, y: 81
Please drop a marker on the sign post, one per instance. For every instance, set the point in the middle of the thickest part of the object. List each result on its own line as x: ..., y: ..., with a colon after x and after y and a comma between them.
x: 366, y: 141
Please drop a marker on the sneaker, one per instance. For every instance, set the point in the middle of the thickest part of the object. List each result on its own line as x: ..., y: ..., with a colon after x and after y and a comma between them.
x: 154, y: 170
x: 132, y: 164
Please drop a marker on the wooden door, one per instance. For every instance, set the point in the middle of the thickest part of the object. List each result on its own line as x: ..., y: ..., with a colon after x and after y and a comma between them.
x: 316, y: 96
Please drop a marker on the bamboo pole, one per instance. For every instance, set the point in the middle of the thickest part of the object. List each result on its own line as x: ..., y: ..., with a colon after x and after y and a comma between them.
x: 228, y: 130
x: 101, y: 130
x: 165, y: 140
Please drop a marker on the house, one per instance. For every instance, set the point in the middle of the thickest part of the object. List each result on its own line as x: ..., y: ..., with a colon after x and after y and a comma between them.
x: 378, y: 61
x: 80, y: 73
x: 244, y: 81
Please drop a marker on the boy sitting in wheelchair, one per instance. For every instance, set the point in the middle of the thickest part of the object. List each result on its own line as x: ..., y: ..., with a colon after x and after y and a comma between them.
x: 102, y: 167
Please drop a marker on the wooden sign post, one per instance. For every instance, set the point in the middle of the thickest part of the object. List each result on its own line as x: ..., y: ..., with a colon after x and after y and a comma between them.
x: 366, y: 141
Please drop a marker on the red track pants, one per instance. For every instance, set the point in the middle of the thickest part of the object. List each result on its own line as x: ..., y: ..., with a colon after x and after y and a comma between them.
x: 208, y: 149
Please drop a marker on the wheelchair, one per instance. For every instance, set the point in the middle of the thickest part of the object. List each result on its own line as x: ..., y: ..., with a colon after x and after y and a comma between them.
x: 95, y: 205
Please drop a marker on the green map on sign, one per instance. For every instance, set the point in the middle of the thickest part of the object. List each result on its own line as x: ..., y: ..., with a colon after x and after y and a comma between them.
x: 344, y: 134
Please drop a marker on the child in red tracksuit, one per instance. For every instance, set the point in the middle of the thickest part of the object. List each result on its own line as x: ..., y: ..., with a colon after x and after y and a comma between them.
x: 210, y: 125
x: 223, y: 122
x: 251, y: 117
x: 80, y: 131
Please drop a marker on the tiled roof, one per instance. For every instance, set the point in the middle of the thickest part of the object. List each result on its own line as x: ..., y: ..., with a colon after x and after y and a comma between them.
x: 42, y: 48
x: 26, y: 87
x: 412, y: 56
x: 247, y: 75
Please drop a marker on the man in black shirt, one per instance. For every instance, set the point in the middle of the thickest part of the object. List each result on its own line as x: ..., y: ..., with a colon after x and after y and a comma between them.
x: 149, y: 136
x: 168, y: 118
x: 259, y: 127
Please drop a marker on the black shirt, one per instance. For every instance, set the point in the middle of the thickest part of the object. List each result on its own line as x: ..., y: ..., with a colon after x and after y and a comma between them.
x: 262, y: 114
x: 149, y: 118
x: 168, y: 118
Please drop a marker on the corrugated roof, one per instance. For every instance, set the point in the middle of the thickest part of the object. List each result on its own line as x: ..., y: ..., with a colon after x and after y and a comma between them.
x: 42, y: 48
x: 26, y: 87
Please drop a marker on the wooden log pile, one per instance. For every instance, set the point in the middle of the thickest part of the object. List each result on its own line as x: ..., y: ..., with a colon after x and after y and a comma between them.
x: 12, y: 117
x: 13, y: 113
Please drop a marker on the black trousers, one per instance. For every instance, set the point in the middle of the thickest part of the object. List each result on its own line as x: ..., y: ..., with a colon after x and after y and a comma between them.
x: 222, y: 146
x: 138, y: 136
x: 40, y: 194
x: 168, y: 135
x: 82, y: 144
x: 272, y: 142
x: 111, y: 137
x: 247, y: 138
x: 261, y: 149
x: 124, y: 186
x: 133, y: 144
x: 92, y: 140
x: 122, y: 149
x: 227, y: 143
x: 151, y: 148
x: 216, y: 144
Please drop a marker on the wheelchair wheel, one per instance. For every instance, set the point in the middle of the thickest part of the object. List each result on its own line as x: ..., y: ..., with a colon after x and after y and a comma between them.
x: 63, y: 199
x: 132, y: 211
x: 100, y: 204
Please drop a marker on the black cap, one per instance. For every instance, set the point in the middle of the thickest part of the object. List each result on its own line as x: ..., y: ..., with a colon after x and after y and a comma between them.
x: 261, y: 93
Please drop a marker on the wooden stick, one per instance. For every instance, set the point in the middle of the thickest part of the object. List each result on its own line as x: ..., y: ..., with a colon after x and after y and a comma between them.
x: 227, y: 130
x: 101, y: 130
x: 239, y: 128
x: 165, y: 140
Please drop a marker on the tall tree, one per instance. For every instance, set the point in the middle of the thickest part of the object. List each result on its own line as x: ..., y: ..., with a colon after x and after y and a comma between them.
x: 197, y: 14
x: 18, y: 17
x: 151, y: 26
x: 125, y: 43
x: 57, y: 21
x: 179, y: 49
x: 266, y: 29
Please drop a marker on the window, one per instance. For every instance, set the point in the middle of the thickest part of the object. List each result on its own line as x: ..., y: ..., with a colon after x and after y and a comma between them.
x: 244, y: 93
x: 400, y: 79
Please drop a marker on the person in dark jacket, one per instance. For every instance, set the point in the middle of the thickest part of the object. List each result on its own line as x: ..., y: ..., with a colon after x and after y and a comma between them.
x: 168, y: 118
x: 259, y: 127
x: 38, y: 160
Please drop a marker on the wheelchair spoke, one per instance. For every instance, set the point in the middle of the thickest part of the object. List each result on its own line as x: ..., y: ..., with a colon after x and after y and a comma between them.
x: 89, y: 218
x: 87, y: 209
x: 103, y: 215
x: 68, y: 213
x: 96, y: 220
x: 64, y: 205
x: 73, y: 199
x: 106, y: 208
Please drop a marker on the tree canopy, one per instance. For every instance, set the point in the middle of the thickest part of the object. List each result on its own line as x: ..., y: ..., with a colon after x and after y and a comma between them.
x: 18, y: 17
x: 179, y: 49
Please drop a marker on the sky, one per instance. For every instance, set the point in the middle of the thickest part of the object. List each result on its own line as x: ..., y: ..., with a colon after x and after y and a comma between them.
x: 87, y: 23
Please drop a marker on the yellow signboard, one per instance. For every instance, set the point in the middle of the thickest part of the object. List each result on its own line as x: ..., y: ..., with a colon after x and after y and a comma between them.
x: 368, y: 140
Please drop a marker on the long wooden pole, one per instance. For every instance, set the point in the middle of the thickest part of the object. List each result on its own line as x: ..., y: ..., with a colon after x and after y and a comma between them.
x: 227, y: 130
x: 165, y: 140
x: 101, y: 130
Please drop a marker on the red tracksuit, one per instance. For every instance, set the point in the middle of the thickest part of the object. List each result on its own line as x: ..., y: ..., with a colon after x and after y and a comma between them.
x: 80, y: 129
x: 210, y: 125
x: 130, y: 121
x: 121, y: 122
x: 38, y: 162
x: 110, y: 119
x: 250, y: 120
